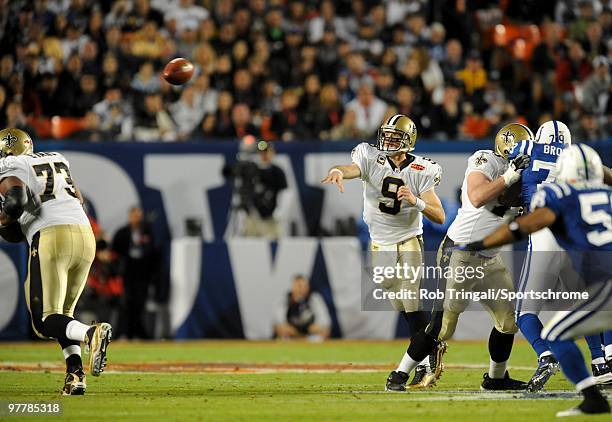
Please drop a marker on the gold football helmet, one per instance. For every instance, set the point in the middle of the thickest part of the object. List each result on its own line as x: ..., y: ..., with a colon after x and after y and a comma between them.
x: 510, y: 135
x: 398, y: 133
x: 15, y: 142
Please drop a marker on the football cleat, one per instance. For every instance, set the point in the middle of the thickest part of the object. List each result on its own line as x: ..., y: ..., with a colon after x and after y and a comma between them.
x: 594, y: 403
x: 423, y: 378
x: 501, y: 384
x: 547, y: 367
x: 74, y: 384
x: 97, y: 344
x: 396, y: 381
x: 602, y: 374
x: 435, y: 359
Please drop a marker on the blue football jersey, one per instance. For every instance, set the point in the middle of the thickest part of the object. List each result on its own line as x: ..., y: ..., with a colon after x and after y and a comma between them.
x: 541, y: 168
x: 583, y: 226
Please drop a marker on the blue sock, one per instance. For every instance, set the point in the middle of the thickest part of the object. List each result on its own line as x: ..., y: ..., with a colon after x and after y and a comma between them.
x: 531, y: 327
x: 571, y: 360
x: 607, y: 337
x: 594, y: 342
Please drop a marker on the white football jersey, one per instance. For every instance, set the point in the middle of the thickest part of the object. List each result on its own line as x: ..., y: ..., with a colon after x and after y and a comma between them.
x: 391, y: 221
x: 473, y: 224
x: 46, y: 174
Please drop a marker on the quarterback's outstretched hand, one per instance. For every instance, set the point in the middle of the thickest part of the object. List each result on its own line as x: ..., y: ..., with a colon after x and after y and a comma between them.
x: 517, y: 165
x: 335, y: 177
x: 404, y: 193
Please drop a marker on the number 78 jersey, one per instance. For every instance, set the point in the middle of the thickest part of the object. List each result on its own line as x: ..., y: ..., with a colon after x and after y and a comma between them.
x: 389, y: 220
x: 46, y: 174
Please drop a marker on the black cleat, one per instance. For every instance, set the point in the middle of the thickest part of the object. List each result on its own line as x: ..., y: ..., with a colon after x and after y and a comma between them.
x: 602, y: 374
x: 74, y: 384
x: 423, y: 377
x: 594, y: 403
x: 396, y: 381
x: 547, y: 367
x: 501, y: 384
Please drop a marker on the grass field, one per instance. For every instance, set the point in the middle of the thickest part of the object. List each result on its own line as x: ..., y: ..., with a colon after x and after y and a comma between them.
x: 221, y: 380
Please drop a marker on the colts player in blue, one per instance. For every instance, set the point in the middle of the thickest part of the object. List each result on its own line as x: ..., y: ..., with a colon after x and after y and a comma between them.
x: 546, y: 263
x: 539, y: 269
x: 578, y: 211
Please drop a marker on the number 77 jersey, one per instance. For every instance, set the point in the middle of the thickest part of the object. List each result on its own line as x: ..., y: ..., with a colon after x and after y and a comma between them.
x: 389, y: 220
x: 47, y: 175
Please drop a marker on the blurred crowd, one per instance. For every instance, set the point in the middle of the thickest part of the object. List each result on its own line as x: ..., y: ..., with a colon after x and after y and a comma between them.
x: 304, y: 70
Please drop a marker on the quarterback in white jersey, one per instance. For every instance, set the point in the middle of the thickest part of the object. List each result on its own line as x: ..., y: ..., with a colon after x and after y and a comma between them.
x: 399, y: 188
x: 40, y: 199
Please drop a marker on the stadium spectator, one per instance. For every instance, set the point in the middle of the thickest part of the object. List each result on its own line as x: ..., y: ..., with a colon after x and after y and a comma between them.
x: 595, y: 90
x: 446, y: 117
x: 87, y: 95
x: 15, y: 118
x: 219, y: 124
x: 365, y: 113
x: 302, y: 313
x: 115, y: 115
x: 287, y: 124
x: 241, y: 122
x: 185, y: 14
x: 153, y: 123
x: 188, y: 112
x: 243, y: 47
x: 329, y: 119
x: 145, y: 81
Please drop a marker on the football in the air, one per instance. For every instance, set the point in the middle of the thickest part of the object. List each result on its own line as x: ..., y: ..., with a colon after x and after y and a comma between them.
x: 178, y: 71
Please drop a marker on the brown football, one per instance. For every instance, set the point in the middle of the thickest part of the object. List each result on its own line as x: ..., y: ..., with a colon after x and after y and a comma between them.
x: 178, y: 71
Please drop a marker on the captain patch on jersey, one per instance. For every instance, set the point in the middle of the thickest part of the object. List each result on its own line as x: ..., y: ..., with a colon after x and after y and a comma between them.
x: 389, y: 220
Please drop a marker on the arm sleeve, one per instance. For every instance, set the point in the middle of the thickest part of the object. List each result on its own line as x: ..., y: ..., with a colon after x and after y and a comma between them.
x: 319, y: 309
x: 482, y: 163
x: 359, y: 155
x: 431, y: 178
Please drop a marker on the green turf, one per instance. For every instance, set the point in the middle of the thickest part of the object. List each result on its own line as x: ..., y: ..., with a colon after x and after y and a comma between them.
x: 288, y: 396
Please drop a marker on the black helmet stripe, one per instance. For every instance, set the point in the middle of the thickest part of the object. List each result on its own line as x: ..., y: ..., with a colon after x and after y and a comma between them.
x: 586, y: 164
x: 393, y: 119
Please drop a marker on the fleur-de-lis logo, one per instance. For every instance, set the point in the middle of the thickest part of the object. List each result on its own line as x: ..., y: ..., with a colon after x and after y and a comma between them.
x: 508, y: 137
x: 481, y: 160
x: 9, y: 140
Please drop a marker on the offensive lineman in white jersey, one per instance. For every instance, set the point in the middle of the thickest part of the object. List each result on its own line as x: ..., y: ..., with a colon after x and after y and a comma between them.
x: 40, y: 199
x: 482, y: 209
x: 399, y: 188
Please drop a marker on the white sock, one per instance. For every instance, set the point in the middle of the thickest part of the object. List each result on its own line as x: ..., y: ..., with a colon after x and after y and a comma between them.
x: 76, y: 330
x: 71, y: 350
x: 546, y: 353
x: 598, y: 361
x: 608, y: 352
x: 407, y: 364
x: 497, y: 369
x: 585, y: 383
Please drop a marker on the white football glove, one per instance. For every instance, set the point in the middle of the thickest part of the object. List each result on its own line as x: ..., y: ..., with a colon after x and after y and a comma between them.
x: 516, y: 167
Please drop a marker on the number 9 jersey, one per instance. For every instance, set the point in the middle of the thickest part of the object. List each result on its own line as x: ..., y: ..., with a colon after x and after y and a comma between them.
x: 389, y: 220
x: 46, y: 174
